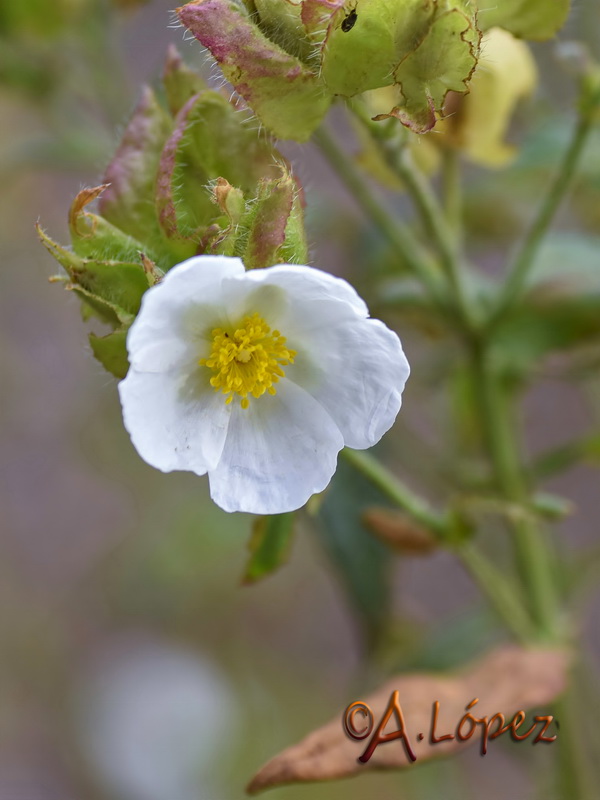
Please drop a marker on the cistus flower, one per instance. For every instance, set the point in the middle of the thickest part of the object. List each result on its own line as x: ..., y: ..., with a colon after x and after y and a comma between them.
x: 257, y: 378
x: 289, y: 58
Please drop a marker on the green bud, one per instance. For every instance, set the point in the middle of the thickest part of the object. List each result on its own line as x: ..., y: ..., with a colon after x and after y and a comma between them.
x: 185, y: 180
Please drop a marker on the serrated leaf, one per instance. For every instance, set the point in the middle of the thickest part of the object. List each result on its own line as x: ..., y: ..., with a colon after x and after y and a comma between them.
x: 269, y: 546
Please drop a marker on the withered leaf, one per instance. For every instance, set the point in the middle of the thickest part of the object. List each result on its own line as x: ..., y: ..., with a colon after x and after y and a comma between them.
x: 506, y: 680
x: 399, y: 531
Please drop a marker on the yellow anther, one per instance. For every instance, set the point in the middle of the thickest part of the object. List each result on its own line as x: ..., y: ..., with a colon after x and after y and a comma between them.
x: 247, y: 361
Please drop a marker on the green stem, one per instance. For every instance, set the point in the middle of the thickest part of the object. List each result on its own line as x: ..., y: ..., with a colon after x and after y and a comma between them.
x: 531, y: 551
x: 395, y: 490
x: 399, y: 158
x: 451, y: 192
x: 437, y: 228
x: 399, y: 237
x: 525, y: 256
x: 502, y: 596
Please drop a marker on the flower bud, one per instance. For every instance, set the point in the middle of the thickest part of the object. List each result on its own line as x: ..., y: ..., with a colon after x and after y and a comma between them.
x: 189, y: 179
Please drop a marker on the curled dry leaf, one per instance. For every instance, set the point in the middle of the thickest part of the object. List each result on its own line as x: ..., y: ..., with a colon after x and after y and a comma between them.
x: 506, y: 680
x: 399, y: 532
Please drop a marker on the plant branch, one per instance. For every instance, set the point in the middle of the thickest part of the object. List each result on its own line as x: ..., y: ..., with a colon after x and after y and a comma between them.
x: 395, y: 490
x: 499, y: 592
x: 398, y: 235
x: 438, y: 227
x: 501, y: 595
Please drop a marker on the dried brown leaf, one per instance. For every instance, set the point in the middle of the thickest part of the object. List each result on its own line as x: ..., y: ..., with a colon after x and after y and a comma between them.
x: 398, y: 531
x: 506, y: 680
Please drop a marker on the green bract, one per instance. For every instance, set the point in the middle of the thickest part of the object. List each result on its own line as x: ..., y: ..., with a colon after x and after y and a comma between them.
x: 289, y: 59
x: 188, y: 178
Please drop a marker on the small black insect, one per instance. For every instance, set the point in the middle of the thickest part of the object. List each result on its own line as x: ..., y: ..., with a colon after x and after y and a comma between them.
x: 349, y: 20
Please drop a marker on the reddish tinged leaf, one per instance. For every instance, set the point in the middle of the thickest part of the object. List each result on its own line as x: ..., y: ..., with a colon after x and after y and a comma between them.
x: 284, y: 92
x: 267, y: 233
x: 506, y: 680
x: 165, y: 204
x: 128, y: 198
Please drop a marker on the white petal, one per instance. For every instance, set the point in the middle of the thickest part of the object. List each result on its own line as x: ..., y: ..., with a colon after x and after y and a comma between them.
x: 176, y: 421
x: 359, y: 372
x: 177, y: 315
x: 278, y: 452
x: 283, y: 293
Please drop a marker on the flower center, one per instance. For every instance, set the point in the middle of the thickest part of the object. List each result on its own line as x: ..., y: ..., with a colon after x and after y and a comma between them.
x: 247, y: 361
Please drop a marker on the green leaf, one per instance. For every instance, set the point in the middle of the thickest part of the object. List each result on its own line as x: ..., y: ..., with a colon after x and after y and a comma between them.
x: 362, y: 562
x: 112, y: 290
x: 93, y: 237
x: 111, y: 352
x: 527, y: 19
x: 426, y: 48
x: 269, y: 546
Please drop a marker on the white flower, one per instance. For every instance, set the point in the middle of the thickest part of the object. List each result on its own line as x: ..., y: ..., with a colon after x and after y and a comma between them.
x: 257, y: 378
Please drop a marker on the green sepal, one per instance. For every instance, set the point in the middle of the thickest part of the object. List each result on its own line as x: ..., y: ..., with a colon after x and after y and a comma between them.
x: 93, y: 237
x: 210, y: 139
x: 111, y: 351
x: 107, y: 312
x: 112, y: 289
x: 269, y: 546
x: 268, y: 222
x: 527, y: 19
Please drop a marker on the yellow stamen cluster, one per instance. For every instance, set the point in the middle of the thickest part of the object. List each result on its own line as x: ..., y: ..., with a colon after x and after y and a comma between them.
x: 247, y: 361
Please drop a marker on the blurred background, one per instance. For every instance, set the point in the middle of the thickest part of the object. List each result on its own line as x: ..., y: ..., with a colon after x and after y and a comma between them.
x: 133, y: 663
